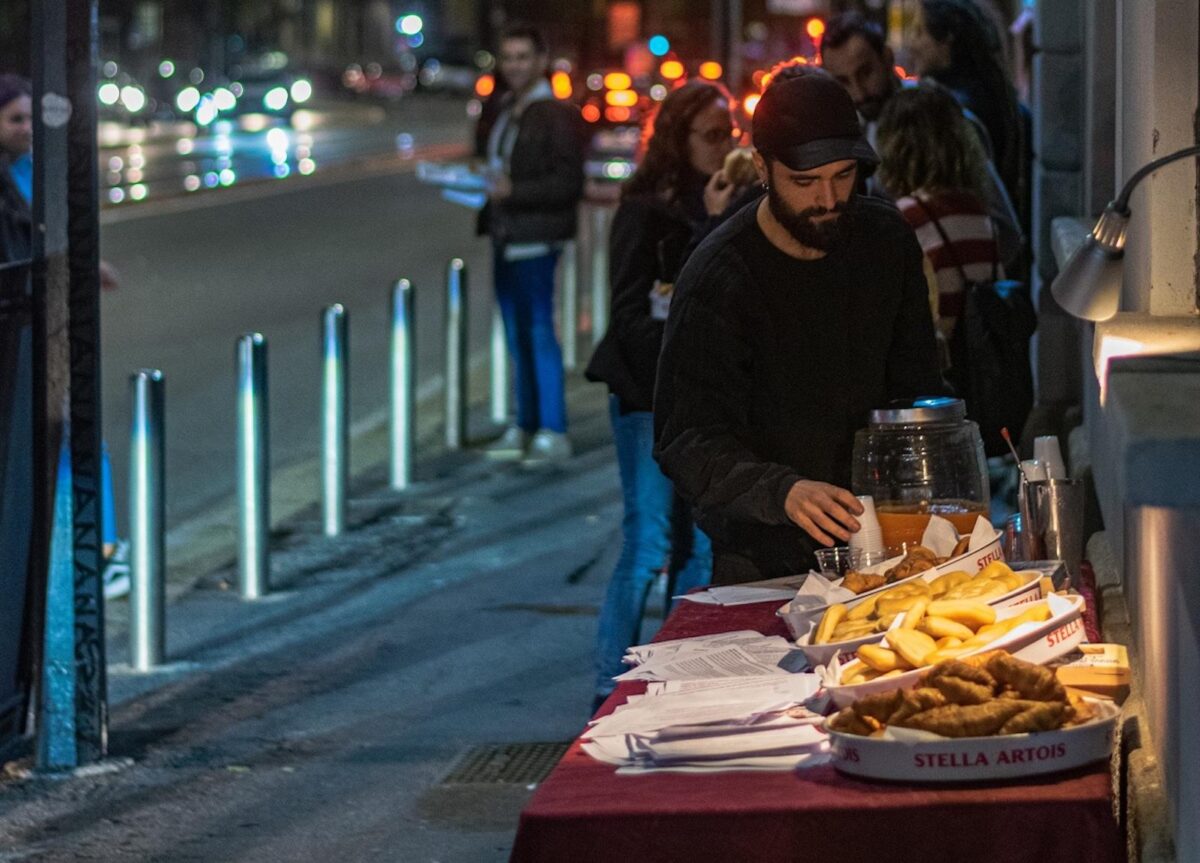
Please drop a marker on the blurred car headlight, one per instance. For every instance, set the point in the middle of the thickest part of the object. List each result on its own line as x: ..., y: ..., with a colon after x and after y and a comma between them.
x: 301, y: 90
x: 187, y: 100
x: 276, y: 99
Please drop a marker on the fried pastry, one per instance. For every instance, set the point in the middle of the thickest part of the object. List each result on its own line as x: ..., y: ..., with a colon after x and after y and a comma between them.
x: 879, y: 706
x: 1032, y: 682
x: 916, y: 701
x: 849, y: 722
x: 1036, y: 716
x: 861, y: 582
x: 959, y: 720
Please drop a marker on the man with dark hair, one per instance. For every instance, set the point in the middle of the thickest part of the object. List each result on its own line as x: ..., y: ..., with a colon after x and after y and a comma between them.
x: 855, y: 53
x: 535, y: 163
x: 789, y: 323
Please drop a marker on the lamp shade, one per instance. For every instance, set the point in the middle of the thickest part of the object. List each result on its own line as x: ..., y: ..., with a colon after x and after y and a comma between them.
x: 1089, y: 286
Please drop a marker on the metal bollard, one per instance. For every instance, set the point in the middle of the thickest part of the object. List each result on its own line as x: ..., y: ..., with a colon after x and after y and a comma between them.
x: 403, y: 383
x: 253, y: 467
x: 335, y: 419
x: 499, y: 370
x: 456, y: 354
x: 570, y: 307
x: 600, y: 220
x: 147, y: 521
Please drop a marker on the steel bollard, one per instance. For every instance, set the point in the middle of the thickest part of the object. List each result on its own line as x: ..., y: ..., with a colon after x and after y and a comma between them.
x: 456, y: 354
x: 403, y: 383
x: 147, y: 521
x: 570, y: 307
x: 499, y: 369
x: 600, y: 220
x: 335, y: 418
x: 253, y: 467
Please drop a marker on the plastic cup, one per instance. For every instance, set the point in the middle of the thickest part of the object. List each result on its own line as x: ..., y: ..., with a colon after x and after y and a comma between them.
x: 833, y: 561
x: 869, y: 536
x: 1047, y: 451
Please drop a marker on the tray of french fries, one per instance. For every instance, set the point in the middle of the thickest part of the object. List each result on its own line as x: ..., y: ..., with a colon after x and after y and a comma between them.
x: 941, y: 551
x: 932, y: 631
x: 990, y: 716
x: 844, y: 627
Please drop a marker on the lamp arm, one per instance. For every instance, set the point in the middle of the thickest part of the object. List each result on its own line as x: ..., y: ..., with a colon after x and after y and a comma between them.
x: 1121, y: 204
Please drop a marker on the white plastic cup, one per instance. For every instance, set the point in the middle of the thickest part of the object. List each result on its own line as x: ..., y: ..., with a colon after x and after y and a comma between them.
x: 869, y: 536
x: 1047, y: 451
x: 1033, y: 470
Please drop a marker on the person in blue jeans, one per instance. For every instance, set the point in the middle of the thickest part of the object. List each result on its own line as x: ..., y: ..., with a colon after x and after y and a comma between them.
x: 678, y: 187
x: 534, y: 154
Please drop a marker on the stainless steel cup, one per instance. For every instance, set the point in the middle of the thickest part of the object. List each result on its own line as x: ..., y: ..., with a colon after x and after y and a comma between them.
x: 1052, y: 522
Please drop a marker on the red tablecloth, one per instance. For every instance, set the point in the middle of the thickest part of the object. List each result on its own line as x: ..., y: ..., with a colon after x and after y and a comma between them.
x: 585, y: 812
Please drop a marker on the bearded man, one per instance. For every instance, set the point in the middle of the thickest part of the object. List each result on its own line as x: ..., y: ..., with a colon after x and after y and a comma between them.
x: 789, y: 323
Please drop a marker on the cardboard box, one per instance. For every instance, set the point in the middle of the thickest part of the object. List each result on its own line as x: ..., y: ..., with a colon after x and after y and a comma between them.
x: 1102, y: 669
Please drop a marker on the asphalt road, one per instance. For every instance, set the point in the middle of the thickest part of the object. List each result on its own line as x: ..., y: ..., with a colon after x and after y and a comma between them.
x: 198, y: 270
x: 323, y: 723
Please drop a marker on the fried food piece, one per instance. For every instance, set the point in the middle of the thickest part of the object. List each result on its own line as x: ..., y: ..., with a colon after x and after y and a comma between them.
x: 913, y: 616
x: 849, y: 722
x: 977, y: 588
x: 861, y: 582
x: 912, y: 646
x: 963, y: 670
x: 944, y: 627
x: 914, y: 702
x: 948, y: 580
x: 879, y: 706
x: 863, y: 610
x: 880, y: 658
x: 958, y: 720
x: 1033, y: 682
x: 1081, y: 711
x: 832, y: 617
x: 850, y: 630
x: 960, y: 691
x: 971, y: 613
x: 1036, y: 716
x: 961, y: 547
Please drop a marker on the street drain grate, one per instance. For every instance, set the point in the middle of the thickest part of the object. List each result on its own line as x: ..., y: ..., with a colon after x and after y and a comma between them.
x: 506, y: 763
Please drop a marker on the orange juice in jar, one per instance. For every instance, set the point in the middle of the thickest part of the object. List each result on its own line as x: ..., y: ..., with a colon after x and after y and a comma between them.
x: 905, y: 523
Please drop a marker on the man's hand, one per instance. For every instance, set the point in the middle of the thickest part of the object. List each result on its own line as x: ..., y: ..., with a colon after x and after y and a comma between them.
x: 823, y: 510
x: 718, y: 192
x: 500, y: 187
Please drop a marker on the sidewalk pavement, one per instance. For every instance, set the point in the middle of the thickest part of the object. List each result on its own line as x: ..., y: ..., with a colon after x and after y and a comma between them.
x: 319, y: 723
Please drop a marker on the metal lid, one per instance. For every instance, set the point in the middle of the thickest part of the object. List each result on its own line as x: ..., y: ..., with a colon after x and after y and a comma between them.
x: 939, y: 409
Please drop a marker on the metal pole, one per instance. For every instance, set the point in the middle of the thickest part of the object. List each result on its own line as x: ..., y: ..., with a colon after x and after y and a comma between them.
x: 456, y: 354
x: 499, y: 369
x: 570, y: 307
x: 335, y: 419
x: 600, y: 218
x: 147, y: 519
x: 403, y: 383
x: 253, y: 468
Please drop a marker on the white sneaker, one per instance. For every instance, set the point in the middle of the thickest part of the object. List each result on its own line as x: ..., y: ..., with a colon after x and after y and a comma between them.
x: 547, y: 447
x: 510, y: 446
x: 116, y: 572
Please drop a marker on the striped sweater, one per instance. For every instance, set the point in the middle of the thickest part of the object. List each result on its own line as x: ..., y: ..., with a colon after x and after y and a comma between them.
x: 964, y: 219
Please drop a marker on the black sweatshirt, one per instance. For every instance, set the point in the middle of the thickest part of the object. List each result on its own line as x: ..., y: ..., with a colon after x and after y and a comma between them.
x: 770, y: 364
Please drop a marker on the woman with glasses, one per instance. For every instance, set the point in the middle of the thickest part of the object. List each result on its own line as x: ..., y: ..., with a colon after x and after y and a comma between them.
x: 679, y: 184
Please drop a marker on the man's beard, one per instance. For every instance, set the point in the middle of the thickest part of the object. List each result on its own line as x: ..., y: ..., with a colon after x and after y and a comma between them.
x: 824, y: 236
